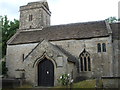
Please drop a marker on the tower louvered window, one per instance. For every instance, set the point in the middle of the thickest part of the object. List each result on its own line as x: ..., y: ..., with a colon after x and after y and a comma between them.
x: 30, y: 17
x: 85, y: 62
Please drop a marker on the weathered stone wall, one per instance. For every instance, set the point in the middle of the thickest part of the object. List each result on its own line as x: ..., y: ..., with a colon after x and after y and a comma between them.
x: 119, y: 59
x: 61, y: 65
x: 116, y: 58
x: 15, y: 61
x: 40, y: 16
x: 72, y: 70
x: 45, y: 18
x: 14, y: 58
x: 111, y: 82
x: 24, y: 19
x: 101, y: 63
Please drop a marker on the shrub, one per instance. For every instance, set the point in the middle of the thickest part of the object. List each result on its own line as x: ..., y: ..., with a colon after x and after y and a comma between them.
x: 4, y: 68
x: 64, y: 79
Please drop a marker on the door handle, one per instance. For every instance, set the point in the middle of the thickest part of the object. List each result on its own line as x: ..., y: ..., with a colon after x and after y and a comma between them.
x: 47, y: 72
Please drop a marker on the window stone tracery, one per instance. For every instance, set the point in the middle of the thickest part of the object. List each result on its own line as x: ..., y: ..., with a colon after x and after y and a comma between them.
x: 85, y: 62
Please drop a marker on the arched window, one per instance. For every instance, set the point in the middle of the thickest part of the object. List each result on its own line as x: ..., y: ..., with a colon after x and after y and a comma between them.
x: 85, y: 62
x: 104, y: 47
x: 99, y: 47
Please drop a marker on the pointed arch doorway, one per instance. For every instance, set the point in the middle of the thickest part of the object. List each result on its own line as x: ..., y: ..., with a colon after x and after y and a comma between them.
x: 45, y: 73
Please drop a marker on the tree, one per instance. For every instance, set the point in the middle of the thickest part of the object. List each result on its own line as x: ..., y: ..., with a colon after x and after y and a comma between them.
x: 111, y: 19
x: 8, y: 29
x: 118, y: 19
x: 4, y: 68
x: 5, y: 28
x: 0, y: 37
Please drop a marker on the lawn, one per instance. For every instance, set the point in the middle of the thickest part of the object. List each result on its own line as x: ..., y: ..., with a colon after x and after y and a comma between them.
x: 83, y: 84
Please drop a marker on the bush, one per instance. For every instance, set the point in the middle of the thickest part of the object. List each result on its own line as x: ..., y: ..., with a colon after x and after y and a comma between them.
x: 64, y: 79
x: 4, y: 68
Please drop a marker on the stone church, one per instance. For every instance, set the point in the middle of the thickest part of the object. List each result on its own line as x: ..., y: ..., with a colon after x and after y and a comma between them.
x: 41, y: 53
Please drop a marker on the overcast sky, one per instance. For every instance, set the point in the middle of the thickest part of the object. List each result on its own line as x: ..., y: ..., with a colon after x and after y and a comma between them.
x: 67, y: 11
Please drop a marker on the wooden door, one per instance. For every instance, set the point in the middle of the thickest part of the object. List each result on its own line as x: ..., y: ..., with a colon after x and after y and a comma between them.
x: 45, y: 73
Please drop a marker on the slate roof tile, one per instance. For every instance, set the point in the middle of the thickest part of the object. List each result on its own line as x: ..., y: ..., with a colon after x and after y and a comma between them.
x: 63, y: 32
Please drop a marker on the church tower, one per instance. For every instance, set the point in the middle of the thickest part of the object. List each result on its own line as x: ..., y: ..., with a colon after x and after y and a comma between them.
x: 34, y: 15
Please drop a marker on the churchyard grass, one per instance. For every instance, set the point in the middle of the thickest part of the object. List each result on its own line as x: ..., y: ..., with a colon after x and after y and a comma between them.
x: 83, y: 84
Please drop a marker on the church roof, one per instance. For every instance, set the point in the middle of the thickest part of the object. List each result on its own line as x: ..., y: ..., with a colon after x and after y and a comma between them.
x: 115, y: 30
x: 62, y: 32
